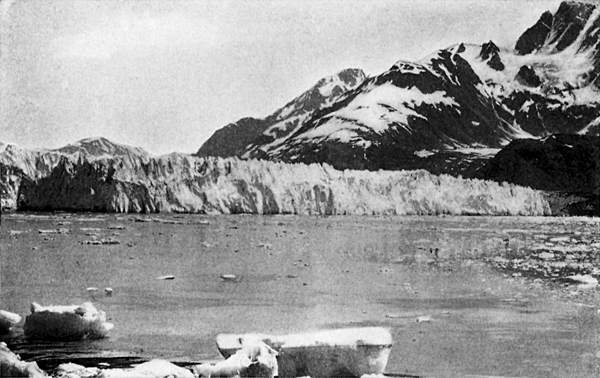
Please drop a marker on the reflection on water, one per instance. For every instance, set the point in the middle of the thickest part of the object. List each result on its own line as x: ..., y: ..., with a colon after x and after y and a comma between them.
x: 299, y: 273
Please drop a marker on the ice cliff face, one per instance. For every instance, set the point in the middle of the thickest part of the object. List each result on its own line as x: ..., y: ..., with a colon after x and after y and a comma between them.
x: 136, y: 182
x: 446, y: 111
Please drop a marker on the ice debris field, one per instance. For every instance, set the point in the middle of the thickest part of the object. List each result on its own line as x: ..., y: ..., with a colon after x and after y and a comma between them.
x: 352, y: 352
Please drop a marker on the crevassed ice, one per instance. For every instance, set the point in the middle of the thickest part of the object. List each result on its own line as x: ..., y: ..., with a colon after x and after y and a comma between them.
x: 184, y: 183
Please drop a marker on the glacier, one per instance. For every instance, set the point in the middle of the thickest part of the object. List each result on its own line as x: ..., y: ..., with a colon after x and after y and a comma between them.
x: 134, y: 182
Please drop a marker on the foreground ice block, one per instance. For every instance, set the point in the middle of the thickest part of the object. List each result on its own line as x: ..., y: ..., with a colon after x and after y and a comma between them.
x: 12, y: 366
x: 255, y: 359
x: 150, y: 369
x: 66, y: 322
x: 8, y: 320
x: 349, y: 352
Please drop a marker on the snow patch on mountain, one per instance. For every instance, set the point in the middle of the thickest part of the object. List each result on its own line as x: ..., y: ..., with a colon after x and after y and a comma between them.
x: 593, y: 128
x: 375, y: 110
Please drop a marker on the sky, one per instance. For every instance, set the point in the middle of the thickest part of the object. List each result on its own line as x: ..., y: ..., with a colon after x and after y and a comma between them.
x: 164, y: 75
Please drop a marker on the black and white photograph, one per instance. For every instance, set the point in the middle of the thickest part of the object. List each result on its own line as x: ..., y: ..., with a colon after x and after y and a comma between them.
x: 299, y: 188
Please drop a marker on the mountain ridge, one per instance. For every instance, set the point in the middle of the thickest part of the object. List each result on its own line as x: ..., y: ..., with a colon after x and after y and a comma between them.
x: 463, y: 97
x: 236, y: 138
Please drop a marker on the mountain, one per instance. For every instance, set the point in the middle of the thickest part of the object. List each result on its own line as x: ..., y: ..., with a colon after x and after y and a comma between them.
x: 85, y: 178
x: 452, y: 110
x: 19, y: 164
x: 247, y: 134
x: 99, y: 147
x: 562, y: 163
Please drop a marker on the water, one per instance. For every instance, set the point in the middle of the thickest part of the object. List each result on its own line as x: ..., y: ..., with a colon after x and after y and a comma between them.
x: 301, y: 273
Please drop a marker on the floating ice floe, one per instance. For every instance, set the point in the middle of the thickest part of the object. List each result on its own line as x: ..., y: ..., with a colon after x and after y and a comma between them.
x: 150, y: 369
x: 229, y: 277
x: 254, y: 359
x: 424, y: 319
x: 71, y: 370
x: 8, y: 320
x: 166, y: 277
x: 60, y: 230
x: 107, y: 241
x: 584, y: 281
x: 12, y: 366
x: 330, y: 353
x: 66, y: 322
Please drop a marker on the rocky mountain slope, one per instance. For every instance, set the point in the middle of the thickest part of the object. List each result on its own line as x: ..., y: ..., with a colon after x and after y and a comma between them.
x: 568, y: 164
x: 83, y: 177
x: 451, y: 111
x: 18, y: 164
x: 245, y: 136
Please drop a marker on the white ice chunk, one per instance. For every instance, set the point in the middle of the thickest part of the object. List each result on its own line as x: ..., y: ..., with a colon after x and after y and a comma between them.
x: 71, y: 370
x: 329, y: 353
x: 12, y: 366
x: 150, y: 369
x: 254, y: 359
x: 585, y: 281
x: 8, y: 320
x: 66, y: 322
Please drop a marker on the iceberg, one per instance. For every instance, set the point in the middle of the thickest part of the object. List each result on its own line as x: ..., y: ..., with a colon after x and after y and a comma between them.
x: 12, y: 366
x: 66, y: 322
x: 8, y: 320
x: 253, y: 359
x: 71, y: 370
x: 151, y: 369
x: 349, y: 352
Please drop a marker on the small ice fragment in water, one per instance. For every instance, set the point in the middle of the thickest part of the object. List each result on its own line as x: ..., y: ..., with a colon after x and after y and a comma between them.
x: 108, y: 291
x: 107, y: 241
x: 585, y: 281
x: 424, y: 319
x: 166, y: 277
x: 54, y: 231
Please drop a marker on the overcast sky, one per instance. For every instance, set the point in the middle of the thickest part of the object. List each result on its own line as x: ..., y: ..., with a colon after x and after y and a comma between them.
x: 164, y: 75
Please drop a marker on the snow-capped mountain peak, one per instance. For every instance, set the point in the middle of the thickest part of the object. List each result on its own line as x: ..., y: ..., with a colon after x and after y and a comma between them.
x: 250, y: 137
x: 464, y: 97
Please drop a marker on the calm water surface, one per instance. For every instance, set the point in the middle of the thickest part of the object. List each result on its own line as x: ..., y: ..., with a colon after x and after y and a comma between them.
x: 302, y: 273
